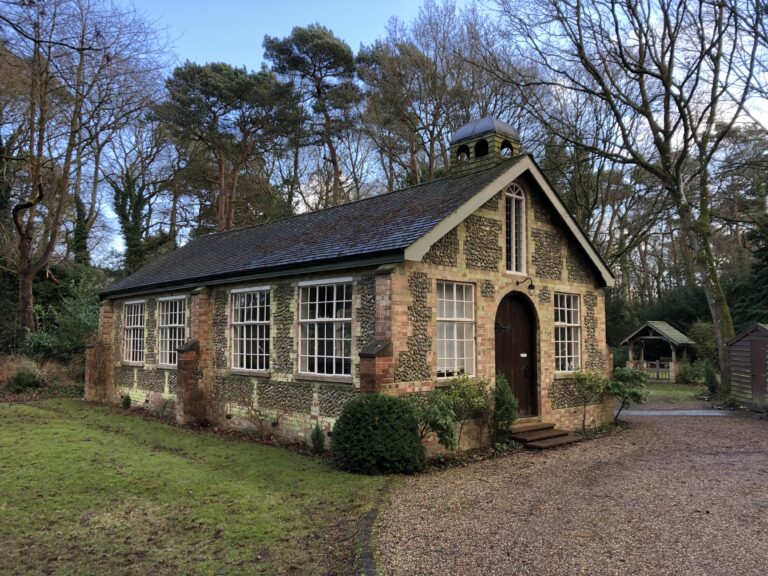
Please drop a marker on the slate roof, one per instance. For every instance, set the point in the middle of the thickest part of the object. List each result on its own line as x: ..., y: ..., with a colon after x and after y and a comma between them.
x: 663, y: 329
x: 383, y: 225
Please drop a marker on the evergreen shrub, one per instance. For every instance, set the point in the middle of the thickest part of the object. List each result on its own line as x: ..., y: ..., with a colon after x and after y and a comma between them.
x: 469, y: 399
x: 710, y: 379
x: 688, y: 373
x: 377, y: 434
x: 504, y: 406
x: 23, y: 380
x: 318, y: 439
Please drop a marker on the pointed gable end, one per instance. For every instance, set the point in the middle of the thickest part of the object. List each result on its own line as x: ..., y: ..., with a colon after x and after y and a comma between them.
x: 524, y: 165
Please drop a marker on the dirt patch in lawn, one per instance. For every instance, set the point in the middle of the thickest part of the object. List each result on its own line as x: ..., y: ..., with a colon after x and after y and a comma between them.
x: 669, y: 495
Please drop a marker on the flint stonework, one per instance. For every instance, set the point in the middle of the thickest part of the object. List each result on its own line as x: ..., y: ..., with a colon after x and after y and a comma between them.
x: 285, y: 396
x: 578, y: 268
x: 562, y: 393
x: 412, y: 364
x: 492, y: 204
x: 547, y: 255
x: 444, y: 252
x: 481, y: 247
x: 333, y: 398
x: 366, y: 312
x: 282, y: 319
x: 220, y: 301
x: 150, y: 331
x: 595, y: 359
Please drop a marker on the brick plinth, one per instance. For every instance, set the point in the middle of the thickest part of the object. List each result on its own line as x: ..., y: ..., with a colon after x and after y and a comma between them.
x: 99, y: 376
x: 194, y: 402
x: 201, y: 331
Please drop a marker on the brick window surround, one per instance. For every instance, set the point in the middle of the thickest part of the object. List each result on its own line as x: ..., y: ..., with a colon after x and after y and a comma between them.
x: 171, y: 328
x: 567, y: 332
x: 133, y: 332
x: 455, y: 329
x: 514, y: 220
x: 325, y: 326
x: 250, y: 328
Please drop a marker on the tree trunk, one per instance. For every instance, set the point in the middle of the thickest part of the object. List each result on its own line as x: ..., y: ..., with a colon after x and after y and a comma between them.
x: 698, y: 232
x: 414, y: 161
x: 172, y: 224
x: 80, y: 233
x: 221, y: 199
x: 334, y: 158
x: 26, y: 277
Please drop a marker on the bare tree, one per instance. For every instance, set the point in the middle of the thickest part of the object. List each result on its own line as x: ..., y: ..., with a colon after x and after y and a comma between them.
x: 666, y: 69
x: 139, y: 171
x: 427, y: 78
x: 77, y: 59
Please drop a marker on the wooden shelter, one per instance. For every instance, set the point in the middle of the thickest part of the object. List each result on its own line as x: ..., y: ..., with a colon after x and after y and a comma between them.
x: 655, y: 339
x: 749, y: 366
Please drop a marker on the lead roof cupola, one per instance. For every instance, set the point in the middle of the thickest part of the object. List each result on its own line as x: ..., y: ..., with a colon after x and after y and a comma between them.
x: 481, y: 144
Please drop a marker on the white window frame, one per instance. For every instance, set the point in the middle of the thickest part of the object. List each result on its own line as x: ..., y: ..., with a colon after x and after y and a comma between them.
x: 514, y: 205
x: 567, y: 320
x: 262, y: 326
x: 456, y: 347
x: 311, y: 327
x: 134, y: 333
x: 167, y: 345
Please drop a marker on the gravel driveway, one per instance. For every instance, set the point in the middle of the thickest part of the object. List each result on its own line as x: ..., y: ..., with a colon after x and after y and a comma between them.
x: 672, y: 495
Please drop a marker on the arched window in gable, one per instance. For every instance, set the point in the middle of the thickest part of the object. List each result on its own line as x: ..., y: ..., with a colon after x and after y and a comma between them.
x: 515, y: 228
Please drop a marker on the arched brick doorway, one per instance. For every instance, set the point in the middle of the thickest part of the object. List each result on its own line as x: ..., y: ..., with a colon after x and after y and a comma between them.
x: 515, y: 329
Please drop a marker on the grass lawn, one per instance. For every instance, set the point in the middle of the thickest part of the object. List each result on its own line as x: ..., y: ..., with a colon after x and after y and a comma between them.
x: 674, y: 393
x: 91, y: 490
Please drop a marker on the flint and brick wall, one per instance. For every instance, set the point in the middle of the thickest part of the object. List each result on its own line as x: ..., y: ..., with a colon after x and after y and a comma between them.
x: 149, y: 383
x: 393, y: 329
x: 476, y: 256
x: 294, y: 402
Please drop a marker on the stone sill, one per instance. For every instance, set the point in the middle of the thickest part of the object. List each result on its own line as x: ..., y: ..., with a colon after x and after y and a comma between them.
x: 442, y: 381
x: 132, y: 364
x: 254, y: 373
x: 323, y: 378
x: 513, y: 273
x: 565, y: 375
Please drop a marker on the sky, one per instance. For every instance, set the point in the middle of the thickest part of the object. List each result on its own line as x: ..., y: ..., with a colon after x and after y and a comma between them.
x: 232, y: 31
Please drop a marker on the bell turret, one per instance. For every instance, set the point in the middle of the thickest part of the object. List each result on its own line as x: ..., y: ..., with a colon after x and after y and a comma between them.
x: 481, y: 144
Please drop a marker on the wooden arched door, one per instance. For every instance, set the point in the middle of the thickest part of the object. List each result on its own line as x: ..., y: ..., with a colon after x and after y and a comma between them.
x: 516, y: 350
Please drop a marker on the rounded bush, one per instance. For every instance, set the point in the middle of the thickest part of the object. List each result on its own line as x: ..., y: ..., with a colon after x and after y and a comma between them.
x: 377, y: 434
x: 23, y: 380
